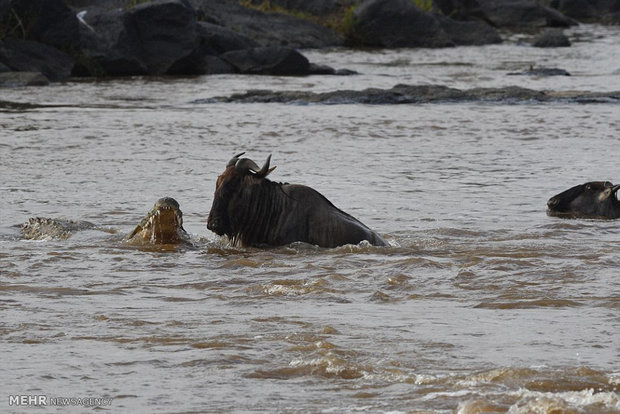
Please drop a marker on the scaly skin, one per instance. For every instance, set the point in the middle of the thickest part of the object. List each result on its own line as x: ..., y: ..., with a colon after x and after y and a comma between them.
x: 162, y: 225
x: 43, y: 228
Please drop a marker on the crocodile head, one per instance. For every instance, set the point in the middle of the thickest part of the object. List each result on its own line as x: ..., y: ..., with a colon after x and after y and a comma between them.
x: 162, y: 225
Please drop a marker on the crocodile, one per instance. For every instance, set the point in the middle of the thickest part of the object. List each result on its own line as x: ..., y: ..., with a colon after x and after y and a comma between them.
x: 163, y: 224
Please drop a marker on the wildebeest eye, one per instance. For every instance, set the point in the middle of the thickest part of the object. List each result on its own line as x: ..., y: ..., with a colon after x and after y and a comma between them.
x: 589, y: 187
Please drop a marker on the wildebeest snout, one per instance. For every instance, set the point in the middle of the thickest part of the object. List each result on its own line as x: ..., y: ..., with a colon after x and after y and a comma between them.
x: 215, y: 224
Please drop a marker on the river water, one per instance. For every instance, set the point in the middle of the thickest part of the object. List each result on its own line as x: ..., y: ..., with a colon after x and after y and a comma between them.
x: 483, y: 303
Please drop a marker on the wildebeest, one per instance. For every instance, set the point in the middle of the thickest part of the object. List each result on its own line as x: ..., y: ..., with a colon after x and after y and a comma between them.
x: 596, y: 199
x: 255, y: 211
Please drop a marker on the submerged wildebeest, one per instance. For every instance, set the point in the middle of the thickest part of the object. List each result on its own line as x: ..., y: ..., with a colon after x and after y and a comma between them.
x: 596, y: 199
x: 255, y: 211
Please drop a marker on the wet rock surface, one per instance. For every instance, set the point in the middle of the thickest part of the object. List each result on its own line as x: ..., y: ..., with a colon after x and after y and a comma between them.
x: 541, y: 72
x: 416, y: 94
x: 551, y: 38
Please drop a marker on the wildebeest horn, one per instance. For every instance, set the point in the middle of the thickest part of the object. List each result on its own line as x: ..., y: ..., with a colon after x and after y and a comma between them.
x: 265, y: 170
x: 245, y: 164
x: 615, y: 189
x: 234, y: 159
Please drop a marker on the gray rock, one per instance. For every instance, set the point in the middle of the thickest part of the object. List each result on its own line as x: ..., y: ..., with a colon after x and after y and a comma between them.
x: 396, y: 23
x: 516, y: 15
x: 15, y: 79
x: 163, y: 32
x: 201, y: 64
x: 315, y: 69
x: 28, y: 56
x: 469, y: 33
x: 50, y: 22
x: 222, y: 39
x: 602, y: 11
x: 522, y: 14
x: 147, y: 39
x: 413, y: 94
x: 542, y: 72
x: 268, y: 61
x: 267, y: 29
x: 107, y: 47
x: 551, y: 38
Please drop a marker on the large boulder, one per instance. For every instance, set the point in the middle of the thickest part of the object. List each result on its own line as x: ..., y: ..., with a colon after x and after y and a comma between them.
x: 163, y: 32
x: 107, y: 48
x: 551, y: 38
x: 400, y: 23
x: 520, y: 15
x: 605, y: 11
x: 147, y: 39
x: 28, y: 56
x: 396, y: 23
x: 268, y: 61
x: 222, y: 39
x: 213, y: 41
x: 515, y: 15
x: 267, y: 28
x: 469, y: 33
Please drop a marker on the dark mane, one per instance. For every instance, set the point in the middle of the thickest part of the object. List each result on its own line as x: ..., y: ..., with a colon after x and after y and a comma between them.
x: 262, y: 201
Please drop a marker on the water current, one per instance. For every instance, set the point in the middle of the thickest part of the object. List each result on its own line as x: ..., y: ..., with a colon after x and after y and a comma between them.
x: 483, y: 303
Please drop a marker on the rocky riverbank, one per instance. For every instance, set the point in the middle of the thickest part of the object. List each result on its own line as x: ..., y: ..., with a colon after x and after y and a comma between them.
x: 54, y: 40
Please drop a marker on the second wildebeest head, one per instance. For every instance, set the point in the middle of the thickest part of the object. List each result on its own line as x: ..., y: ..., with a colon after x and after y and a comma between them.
x: 255, y: 211
x: 596, y: 199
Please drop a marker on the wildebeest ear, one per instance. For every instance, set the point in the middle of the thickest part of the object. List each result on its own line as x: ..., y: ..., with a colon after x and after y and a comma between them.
x: 234, y: 159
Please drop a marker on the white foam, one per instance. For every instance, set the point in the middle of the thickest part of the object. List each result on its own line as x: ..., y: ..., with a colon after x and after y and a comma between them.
x: 544, y: 402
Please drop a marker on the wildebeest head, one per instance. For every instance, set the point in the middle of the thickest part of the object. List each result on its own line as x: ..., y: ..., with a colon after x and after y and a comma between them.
x: 232, y: 186
x: 596, y: 199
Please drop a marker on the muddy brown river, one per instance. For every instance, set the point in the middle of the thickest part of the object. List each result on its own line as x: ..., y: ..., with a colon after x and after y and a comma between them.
x: 482, y: 303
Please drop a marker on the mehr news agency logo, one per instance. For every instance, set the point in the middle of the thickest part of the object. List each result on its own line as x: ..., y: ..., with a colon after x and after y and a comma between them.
x: 45, y: 401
